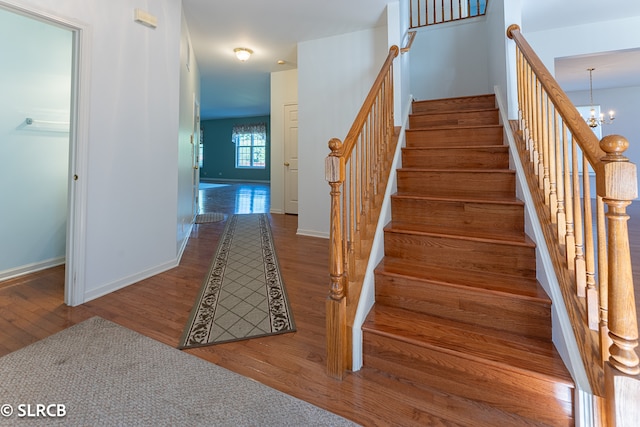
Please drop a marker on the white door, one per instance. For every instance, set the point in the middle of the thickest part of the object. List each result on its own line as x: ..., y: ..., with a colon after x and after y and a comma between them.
x: 291, y: 159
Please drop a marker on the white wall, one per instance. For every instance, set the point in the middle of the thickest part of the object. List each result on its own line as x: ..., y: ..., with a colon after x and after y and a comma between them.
x: 132, y: 160
x: 284, y: 90
x: 35, y: 82
x: 403, y: 78
x: 189, y: 96
x: 501, y: 50
x: 450, y: 60
x: 334, y: 74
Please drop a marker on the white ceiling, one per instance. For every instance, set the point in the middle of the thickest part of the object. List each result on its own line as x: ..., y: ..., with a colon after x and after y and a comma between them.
x: 611, y: 69
x: 272, y: 30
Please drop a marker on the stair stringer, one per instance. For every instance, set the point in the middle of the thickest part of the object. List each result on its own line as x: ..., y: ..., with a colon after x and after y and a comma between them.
x: 562, y: 331
x: 367, y: 294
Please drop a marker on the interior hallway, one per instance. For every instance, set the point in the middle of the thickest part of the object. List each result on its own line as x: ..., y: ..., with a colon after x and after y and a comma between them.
x: 32, y: 308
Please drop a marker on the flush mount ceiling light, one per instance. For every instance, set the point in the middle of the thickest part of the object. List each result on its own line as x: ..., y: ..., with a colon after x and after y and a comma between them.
x: 242, y: 53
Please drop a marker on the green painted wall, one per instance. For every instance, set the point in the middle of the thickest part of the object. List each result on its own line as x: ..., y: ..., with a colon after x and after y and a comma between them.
x: 219, y: 151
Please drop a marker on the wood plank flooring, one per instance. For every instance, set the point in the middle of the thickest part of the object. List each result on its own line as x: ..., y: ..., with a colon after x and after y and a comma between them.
x: 32, y: 308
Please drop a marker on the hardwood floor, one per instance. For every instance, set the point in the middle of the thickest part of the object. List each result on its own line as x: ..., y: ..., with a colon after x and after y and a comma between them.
x: 32, y: 308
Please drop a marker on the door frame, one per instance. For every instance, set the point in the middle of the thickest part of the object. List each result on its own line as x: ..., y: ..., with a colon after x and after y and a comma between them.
x: 74, y: 286
x: 285, y: 145
x: 195, y: 156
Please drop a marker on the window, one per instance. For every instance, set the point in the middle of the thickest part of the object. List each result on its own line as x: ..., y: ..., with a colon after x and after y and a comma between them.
x: 250, y: 141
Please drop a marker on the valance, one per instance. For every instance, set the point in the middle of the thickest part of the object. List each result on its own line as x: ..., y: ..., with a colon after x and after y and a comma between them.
x: 249, y: 128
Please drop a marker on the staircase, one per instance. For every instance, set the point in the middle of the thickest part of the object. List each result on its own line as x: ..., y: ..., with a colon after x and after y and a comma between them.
x: 460, y: 320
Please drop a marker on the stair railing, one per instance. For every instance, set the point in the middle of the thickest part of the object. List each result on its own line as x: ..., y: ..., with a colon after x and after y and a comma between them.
x: 431, y: 12
x: 590, y: 250
x: 357, y: 172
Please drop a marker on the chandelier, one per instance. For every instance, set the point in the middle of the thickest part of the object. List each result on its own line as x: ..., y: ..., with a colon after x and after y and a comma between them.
x: 592, y: 120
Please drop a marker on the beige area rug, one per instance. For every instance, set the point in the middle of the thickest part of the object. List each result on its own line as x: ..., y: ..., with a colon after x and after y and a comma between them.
x: 209, y: 217
x: 243, y: 295
x: 98, y: 373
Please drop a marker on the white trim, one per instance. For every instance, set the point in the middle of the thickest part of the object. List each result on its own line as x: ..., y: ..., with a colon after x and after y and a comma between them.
x: 367, y: 296
x: 78, y: 141
x: 30, y: 268
x: 78, y: 159
x: 584, y: 409
x: 312, y: 233
x: 240, y: 181
x: 130, y: 280
x: 563, y: 336
x: 185, y: 241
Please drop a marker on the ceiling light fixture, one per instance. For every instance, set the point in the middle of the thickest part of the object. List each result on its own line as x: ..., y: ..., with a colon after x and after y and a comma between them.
x: 242, y: 53
x: 592, y: 120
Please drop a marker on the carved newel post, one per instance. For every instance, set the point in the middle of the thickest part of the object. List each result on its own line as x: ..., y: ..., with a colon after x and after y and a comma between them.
x: 619, y: 187
x: 336, y: 304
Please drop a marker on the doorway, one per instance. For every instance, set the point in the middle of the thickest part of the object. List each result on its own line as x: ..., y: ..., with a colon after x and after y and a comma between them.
x: 40, y: 152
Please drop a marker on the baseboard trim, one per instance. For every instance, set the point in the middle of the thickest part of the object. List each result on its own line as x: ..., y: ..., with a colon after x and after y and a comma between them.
x: 312, y: 233
x: 31, y: 268
x: 214, y: 180
x: 129, y: 280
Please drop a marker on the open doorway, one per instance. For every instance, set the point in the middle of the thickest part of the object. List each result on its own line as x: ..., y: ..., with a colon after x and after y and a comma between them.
x: 39, y: 130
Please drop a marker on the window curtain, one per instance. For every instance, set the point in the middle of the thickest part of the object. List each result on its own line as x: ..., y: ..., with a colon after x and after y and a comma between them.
x: 250, y: 128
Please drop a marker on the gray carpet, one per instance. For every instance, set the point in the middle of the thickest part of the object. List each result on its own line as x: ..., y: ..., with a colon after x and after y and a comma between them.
x: 209, y: 217
x: 107, y: 375
x: 243, y: 295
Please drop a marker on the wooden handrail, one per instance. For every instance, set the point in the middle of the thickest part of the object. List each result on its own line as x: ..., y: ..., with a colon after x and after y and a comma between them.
x: 357, y: 172
x: 563, y: 104
x: 407, y: 47
x: 593, y: 267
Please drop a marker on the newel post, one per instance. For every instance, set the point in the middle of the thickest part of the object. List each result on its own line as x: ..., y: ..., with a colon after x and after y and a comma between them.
x: 618, y: 185
x: 336, y: 304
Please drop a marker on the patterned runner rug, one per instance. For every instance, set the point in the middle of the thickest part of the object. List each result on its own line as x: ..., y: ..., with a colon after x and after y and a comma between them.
x: 243, y: 295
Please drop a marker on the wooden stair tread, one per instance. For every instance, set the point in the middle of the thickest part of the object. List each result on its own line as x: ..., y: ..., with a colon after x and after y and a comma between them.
x: 453, y: 198
x: 459, y: 147
x: 449, y: 170
x: 524, y: 242
x: 518, y: 287
x: 502, y: 235
x: 504, y: 351
x: 454, y: 104
x: 452, y: 111
x: 454, y: 127
x: 498, y: 198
